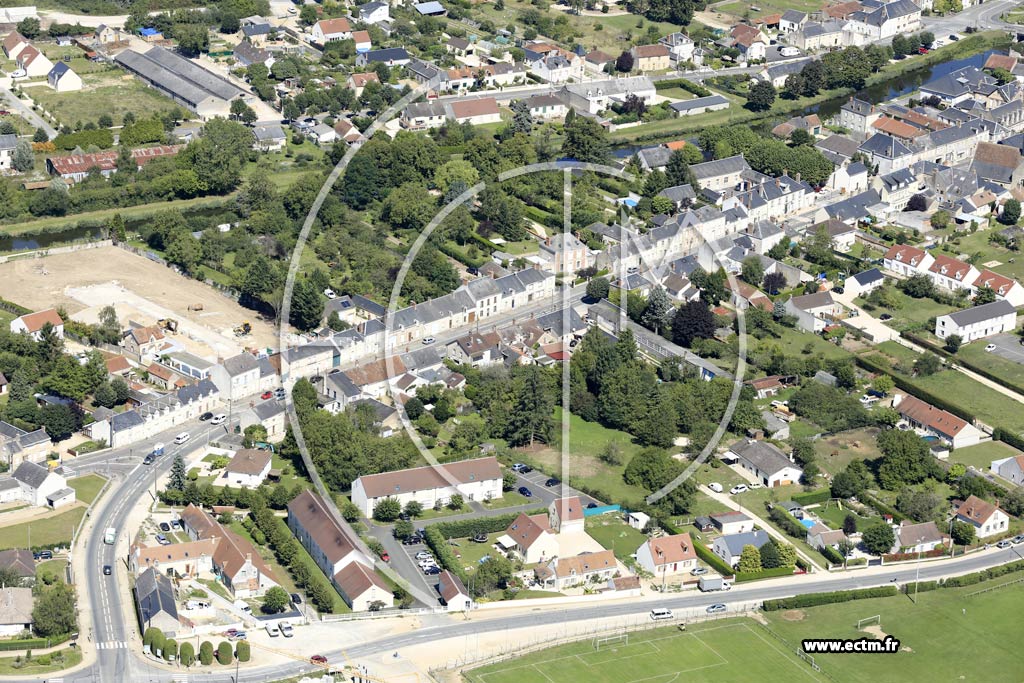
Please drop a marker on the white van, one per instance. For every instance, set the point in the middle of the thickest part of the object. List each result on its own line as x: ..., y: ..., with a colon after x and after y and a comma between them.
x: 182, y: 438
x: 218, y: 419
x: 659, y: 613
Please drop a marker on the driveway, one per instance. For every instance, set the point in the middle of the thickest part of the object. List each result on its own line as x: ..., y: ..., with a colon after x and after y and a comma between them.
x: 1008, y: 346
x: 878, y: 330
x: 25, y: 111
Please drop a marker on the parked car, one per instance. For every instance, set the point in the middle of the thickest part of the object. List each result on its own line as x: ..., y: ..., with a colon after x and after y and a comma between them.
x: 427, y: 341
x: 45, y: 555
x: 384, y: 556
x: 162, y: 540
x: 267, y: 394
x: 424, y: 555
x: 591, y: 505
x: 717, y: 608
x: 738, y: 488
x: 296, y: 598
x: 286, y: 630
x: 716, y: 487
x: 525, y: 492
x: 1003, y: 544
x: 432, y: 571
x: 990, y: 347
x: 164, y: 526
x: 330, y: 294
x: 107, y: 570
x: 280, y: 393
x: 1018, y: 539
x: 219, y: 419
x: 206, y: 416
x: 521, y: 468
x: 273, y: 631
x: 318, y: 659
x: 175, y: 524
x: 757, y: 485
x: 698, y: 571
x: 953, y: 37
x: 552, y: 482
x: 412, y: 540
x: 885, y: 316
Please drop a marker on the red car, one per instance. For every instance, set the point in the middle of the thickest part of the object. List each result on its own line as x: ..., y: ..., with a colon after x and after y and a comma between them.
x: 318, y: 659
x: 266, y: 394
x: 385, y: 557
x: 922, y: 50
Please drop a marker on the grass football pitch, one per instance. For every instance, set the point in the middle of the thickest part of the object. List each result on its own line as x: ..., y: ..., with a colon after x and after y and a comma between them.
x: 732, y: 651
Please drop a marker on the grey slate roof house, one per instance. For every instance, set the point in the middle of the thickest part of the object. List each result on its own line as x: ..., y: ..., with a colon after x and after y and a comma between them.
x: 154, y: 602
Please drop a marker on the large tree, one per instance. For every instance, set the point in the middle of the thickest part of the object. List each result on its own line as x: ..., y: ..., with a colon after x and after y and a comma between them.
x: 879, y: 539
x: 307, y: 306
x: 533, y: 415
x: 54, y: 612
x: 906, y: 460
x: 692, y: 320
x: 585, y: 140
x: 761, y: 96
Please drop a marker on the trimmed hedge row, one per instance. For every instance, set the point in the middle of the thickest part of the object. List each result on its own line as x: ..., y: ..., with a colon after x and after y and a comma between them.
x: 832, y: 555
x: 787, y: 522
x: 443, y: 552
x: 911, y: 388
x: 689, y: 86
x: 920, y: 587
x: 763, y: 574
x: 984, y: 575
x: 464, y: 528
x: 448, y: 250
x: 812, y: 497
x: 11, y: 307
x: 713, y: 560
x: 815, y: 599
x: 1006, y: 436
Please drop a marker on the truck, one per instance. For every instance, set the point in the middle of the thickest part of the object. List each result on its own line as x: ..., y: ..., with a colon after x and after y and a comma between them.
x: 110, y: 535
x: 709, y: 583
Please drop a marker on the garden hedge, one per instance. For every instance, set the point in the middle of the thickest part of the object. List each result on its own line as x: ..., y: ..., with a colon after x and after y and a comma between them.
x: 713, y: 560
x: 436, y: 541
x: 790, y: 524
x: 815, y: 599
x: 763, y: 574
x: 812, y: 497
x: 464, y: 528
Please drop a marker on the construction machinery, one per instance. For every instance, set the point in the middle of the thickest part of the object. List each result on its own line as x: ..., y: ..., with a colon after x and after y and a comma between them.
x: 169, y: 324
x: 195, y: 307
x: 243, y: 329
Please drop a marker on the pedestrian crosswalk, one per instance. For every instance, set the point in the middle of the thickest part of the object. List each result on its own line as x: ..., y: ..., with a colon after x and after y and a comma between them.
x: 180, y: 678
x: 112, y: 645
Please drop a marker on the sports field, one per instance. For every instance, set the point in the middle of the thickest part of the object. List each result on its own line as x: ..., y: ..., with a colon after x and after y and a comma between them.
x: 729, y: 651
x: 955, y: 634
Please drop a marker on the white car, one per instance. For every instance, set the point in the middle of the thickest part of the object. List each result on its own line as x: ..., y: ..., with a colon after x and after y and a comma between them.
x: 424, y: 555
x: 286, y: 630
x: 329, y: 293
x: 738, y: 488
x: 427, y: 341
x: 19, y: 73
x: 868, y: 399
x: 757, y: 485
x: 219, y: 419
x: 716, y: 487
x: 990, y: 348
x: 273, y: 631
x: 292, y: 10
x: 182, y: 438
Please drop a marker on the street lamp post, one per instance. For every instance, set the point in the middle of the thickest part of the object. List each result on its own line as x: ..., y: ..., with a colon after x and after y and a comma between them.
x: 917, y: 576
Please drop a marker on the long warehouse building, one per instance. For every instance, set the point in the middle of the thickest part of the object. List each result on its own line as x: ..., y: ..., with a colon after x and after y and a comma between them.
x: 187, y: 83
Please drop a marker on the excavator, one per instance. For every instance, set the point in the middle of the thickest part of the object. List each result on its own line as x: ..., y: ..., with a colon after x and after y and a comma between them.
x: 243, y: 329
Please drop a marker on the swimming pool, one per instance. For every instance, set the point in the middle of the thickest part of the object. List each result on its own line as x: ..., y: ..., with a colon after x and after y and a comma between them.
x: 807, y: 522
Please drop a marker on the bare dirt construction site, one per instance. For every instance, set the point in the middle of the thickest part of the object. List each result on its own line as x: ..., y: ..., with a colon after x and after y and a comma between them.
x: 141, y: 290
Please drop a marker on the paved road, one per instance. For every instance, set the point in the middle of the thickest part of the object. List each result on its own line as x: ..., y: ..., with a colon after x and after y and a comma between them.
x: 25, y: 111
x: 481, y: 623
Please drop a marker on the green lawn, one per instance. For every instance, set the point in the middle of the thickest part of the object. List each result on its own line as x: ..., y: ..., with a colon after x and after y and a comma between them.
x: 586, y: 441
x: 615, y: 535
x: 982, y: 455
x: 55, y: 530
x: 110, y: 92
x: 912, y: 313
x: 1008, y: 370
x: 728, y: 651
x: 87, y: 487
x: 40, y: 664
x: 792, y: 341
x: 22, y: 126
x: 934, y: 635
x: 56, y: 223
x: 55, y: 568
x: 470, y: 553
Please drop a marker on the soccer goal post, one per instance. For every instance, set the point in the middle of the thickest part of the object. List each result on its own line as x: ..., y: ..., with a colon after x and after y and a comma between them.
x: 867, y: 621
x: 605, y: 641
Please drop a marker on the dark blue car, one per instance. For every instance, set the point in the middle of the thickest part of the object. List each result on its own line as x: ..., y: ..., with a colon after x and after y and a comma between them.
x: 523, y: 491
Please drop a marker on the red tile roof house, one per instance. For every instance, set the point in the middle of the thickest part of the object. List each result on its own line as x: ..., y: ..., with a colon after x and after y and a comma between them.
x: 955, y: 430
x: 667, y: 555
x: 1004, y: 287
x: 362, y: 588
x: 566, y: 514
x: 986, y: 518
x: 32, y: 324
x: 478, y: 479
